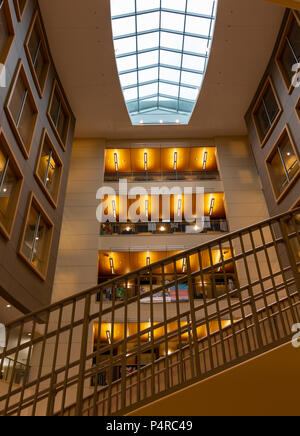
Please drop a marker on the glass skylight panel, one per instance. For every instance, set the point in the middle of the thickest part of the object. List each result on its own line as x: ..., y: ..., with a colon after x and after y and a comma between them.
x: 162, y: 49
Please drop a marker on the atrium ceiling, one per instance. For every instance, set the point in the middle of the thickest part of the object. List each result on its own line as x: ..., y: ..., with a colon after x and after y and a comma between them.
x: 80, y: 36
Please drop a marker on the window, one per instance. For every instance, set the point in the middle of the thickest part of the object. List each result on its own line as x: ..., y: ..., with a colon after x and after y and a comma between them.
x: 162, y: 49
x: 21, y: 110
x: 59, y: 115
x: 49, y: 169
x: 20, y: 6
x: 289, y: 51
x: 11, y: 180
x: 36, y: 239
x: 266, y: 111
x: 37, y: 54
x: 283, y: 165
x: 7, y: 33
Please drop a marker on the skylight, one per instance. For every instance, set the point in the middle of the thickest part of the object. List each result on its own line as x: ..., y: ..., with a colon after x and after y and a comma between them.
x: 162, y: 49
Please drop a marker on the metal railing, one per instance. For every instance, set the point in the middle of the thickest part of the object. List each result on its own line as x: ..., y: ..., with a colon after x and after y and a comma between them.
x: 129, y: 229
x: 7, y: 374
x: 85, y: 358
x: 162, y: 177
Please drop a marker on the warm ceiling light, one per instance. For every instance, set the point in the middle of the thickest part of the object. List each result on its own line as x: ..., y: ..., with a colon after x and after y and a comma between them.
x: 114, y: 207
x: 179, y: 207
x: 177, y: 121
x: 147, y: 208
x: 128, y: 229
x: 205, y: 160
x: 212, y: 205
x: 141, y: 122
x: 108, y: 335
x: 116, y: 162
x: 146, y: 161
x: 112, y: 266
x: 162, y: 229
x: 175, y: 160
x: 148, y: 261
x: 4, y: 190
x: 161, y: 121
x: 8, y: 306
x: 196, y: 228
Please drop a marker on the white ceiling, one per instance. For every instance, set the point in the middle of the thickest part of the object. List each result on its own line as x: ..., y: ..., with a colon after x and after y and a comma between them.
x: 80, y: 37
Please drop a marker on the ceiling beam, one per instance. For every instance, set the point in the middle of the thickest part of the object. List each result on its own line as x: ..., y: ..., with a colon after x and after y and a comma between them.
x: 291, y: 4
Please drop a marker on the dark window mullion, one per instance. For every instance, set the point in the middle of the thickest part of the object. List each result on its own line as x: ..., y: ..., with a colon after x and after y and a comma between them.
x: 284, y: 165
x: 292, y: 49
x: 37, y: 53
x: 48, y: 168
x: 22, y: 107
x: 267, y: 112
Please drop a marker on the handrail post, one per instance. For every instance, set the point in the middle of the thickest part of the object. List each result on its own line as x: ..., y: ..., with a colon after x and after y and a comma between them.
x: 291, y: 256
x: 84, y: 341
x: 52, y: 396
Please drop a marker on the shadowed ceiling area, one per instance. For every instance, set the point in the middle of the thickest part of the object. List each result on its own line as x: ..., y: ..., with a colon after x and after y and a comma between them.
x: 82, y: 47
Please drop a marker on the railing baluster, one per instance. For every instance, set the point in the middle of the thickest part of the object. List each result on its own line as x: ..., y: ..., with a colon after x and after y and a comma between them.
x: 165, y: 314
x: 181, y: 371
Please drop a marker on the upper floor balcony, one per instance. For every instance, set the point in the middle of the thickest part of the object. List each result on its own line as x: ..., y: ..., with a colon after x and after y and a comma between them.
x: 161, y: 164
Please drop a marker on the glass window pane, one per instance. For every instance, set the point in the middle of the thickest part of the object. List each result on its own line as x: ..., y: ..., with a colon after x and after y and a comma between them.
x: 172, y: 21
x: 127, y: 63
x: 189, y: 93
x: 145, y: 5
x: 149, y: 74
x: 176, y: 5
x: 148, y: 21
x: 150, y: 40
x: 290, y: 158
x: 196, y: 45
x: 200, y: 26
x: 148, y: 90
x: 169, y: 74
x: 147, y: 59
x: 271, y: 104
x: 200, y: 7
x: 171, y: 90
x: 123, y: 26
x: 125, y: 45
x: 128, y: 79
x: 191, y: 78
x: 169, y: 58
x: 130, y: 94
x: 171, y: 40
x: 193, y: 63
x: 120, y: 7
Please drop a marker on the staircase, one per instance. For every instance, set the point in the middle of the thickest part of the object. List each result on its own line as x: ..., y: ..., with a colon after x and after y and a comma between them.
x: 79, y: 350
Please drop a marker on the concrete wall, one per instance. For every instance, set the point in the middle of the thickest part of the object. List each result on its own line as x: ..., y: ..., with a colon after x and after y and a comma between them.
x: 289, y: 117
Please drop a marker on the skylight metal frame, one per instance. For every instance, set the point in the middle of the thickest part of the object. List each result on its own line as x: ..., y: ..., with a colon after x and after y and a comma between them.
x: 173, y: 100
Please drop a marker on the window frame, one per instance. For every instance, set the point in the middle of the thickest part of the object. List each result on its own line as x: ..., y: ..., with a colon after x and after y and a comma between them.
x: 11, y: 28
x: 33, y: 201
x: 283, y: 194
x: 56, y: 88
x: 20, y: 71
x: 19, y: 12
x: 292, y: 16
x: 52, y: 200
x: 14, y: 163
x: 296, y: 205
x: 268, y: 82
x: 36, y: 21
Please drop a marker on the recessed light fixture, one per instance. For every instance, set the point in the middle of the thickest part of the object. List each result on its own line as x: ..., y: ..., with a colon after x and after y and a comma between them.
x: 128, y: 229
x: 177, y: 121
x: 162, y: 229
x: 161, y: 121
x: 148, y: 261
x: 146, y: 161
x: 179, y: 207
x: 141, y: 122
x: 8, y: 306
x: 4, y: 190
x: 205, y: 160
x: 175, y: 160
x: 112, y: 266
x: 147, y: 209
x: 116, y: 162
x: 212, y: 205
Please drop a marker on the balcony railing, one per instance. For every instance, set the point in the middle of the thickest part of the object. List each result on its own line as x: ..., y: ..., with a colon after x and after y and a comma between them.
x: 12, y: 371
x: 66, y: 349
x: 210, y: 226
x: 162, y: 177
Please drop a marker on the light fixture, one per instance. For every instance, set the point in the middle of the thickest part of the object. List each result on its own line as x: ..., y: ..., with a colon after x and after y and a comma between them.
x: 116, y: 162
x: 147, y: 209
x: 114, y: 207
x: 205, y: 160
x: 184, y: 263
x: 29, y: 334
x: 128, y: 229
x: 4, y: 190
x: 112, y: 266
x: 177, y: 121
x: 179, y: 207
x: 161, y: 121
x: 146, y: 161
x: 8, y: 306
x: 162, y: 229
x: 141, y: 122
x: 175, y: 160
x: 212, y: 205
x: 108, y: 335
x: 196, y: 228
x: 148, y: 261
